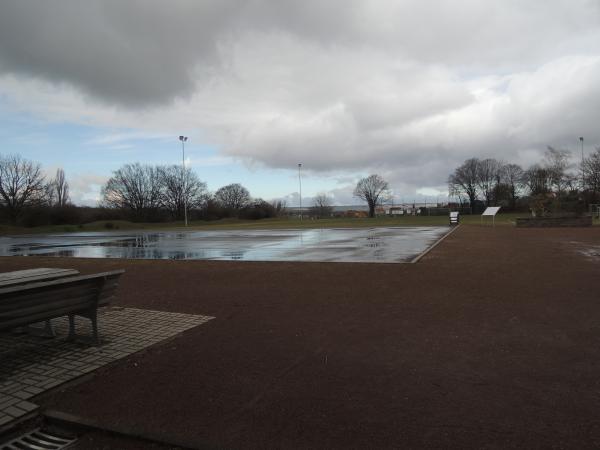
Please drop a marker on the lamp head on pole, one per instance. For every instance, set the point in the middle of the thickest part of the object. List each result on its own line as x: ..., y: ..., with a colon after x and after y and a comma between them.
x: 183, y: 138
x: 581, y: 138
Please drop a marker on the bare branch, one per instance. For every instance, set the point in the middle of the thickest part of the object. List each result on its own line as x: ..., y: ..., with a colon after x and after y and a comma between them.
x: 373, y: 190
x: 21, y: 185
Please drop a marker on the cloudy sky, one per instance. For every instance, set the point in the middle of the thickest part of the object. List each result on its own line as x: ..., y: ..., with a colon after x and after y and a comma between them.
x: 407, y: 88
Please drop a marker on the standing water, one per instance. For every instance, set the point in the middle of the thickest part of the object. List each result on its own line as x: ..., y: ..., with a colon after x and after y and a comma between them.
x: 386, y: 244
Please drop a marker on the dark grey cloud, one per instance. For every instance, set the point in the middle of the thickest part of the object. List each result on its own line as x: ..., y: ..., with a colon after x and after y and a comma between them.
x: 139, y: 53
x: 131, y: 53
x: 136, y: 53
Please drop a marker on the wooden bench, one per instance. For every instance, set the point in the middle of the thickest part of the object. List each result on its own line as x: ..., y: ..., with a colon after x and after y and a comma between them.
x: 73, y: 296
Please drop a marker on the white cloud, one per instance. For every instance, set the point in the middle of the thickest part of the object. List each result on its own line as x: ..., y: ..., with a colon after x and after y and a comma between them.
x: 407, y: 89
x: 210, y: 161
x: 84, y: 189
x: 121, y: 138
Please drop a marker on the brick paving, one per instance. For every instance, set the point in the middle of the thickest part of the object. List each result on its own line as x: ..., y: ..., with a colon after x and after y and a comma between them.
x: 31, y: 365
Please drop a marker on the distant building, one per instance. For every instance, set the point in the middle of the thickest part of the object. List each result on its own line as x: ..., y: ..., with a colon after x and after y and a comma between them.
x: 352, y: 213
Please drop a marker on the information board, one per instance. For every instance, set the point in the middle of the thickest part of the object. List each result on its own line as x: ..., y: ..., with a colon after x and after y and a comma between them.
x: 491, y: 211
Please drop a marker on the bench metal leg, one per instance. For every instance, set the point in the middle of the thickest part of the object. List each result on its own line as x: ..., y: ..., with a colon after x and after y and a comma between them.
x: 93, y: 316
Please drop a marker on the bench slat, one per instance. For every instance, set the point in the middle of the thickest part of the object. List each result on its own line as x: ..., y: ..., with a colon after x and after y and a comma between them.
x: 18, y: 299
x: 42, y: 292
x: 45, y: 284
x: 86, y: 300
x: 32, y: 275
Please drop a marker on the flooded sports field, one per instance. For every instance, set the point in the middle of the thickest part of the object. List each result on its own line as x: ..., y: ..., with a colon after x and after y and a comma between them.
x: 389, y: 244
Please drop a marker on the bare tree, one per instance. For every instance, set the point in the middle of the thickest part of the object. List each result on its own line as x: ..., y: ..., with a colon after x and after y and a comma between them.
x: 591, y: 172
x: 556, y: 162
x: 464, y: 181
x: 181, y: 189
x: 233, y: 196
x: 512, y: 177
x: 321, y: 206
x: 49, y: 193
x: 373, y: 190
x: 135, y: 187
x: 279, y: 206
x: 538, y: 180
x: 21, y: 185
x: 488, y: 174
x: 60, y: 188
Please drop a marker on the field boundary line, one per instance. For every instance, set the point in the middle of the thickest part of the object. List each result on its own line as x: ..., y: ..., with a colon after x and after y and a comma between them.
x: 435, y: 244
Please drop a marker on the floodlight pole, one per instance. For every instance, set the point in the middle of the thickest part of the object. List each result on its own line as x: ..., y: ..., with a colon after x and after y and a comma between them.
x: 183, y: 139
x: 300, y: 185
x: 582, y: 182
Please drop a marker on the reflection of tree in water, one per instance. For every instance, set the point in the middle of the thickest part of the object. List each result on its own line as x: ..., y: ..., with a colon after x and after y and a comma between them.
x: 379, y: 254
x: 66, y: 253
x: 137, y: 241
x: 19, y: 249
x: 235, y: 255
x: 374, y: 241
x: 146, y: 240
x: 179, y: 255
x: 379, y: 244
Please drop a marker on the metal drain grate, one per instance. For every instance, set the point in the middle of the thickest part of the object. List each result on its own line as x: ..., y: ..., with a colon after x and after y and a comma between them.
x: 38, y: 440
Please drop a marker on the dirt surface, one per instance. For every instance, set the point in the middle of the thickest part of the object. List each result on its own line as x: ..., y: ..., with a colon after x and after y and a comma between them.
x: 492, y: 340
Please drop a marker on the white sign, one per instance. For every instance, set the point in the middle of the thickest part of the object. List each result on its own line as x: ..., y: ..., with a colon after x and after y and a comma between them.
x: 491, y: 211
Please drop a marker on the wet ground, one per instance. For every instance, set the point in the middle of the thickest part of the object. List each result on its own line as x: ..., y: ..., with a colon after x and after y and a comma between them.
x: 491, y: 341
x: 390, y: 244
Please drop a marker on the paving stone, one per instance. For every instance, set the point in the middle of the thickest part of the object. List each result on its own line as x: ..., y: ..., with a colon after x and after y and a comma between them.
x: 34, y: 390
x: 7, y: 402
x: 13, y: 411
x: 5, y: 418
x: 23, y: 395
x: 27, y: 406
x: 32, y: 365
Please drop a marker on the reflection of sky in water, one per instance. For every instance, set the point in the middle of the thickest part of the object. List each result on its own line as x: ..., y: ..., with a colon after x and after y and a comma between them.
x: 392, y: 244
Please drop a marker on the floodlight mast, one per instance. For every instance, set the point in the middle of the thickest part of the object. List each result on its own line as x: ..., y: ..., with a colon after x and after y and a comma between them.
x: 183, y: 140
x: 582, y: 182
x: 300, y: 185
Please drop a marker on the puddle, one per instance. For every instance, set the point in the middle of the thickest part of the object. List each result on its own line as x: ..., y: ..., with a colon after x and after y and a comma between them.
x: 385, y: 244
x: 591, y: 252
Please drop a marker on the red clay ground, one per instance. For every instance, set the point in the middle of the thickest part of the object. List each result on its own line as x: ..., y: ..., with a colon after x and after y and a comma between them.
x: 490, y: 341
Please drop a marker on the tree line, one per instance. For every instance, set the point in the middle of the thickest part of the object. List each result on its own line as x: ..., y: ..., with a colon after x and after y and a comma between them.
x: 135, y: 192
x: 151, y: 193
x: 142, y: 192
x: 553, y: 184
x: 23, y: 187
